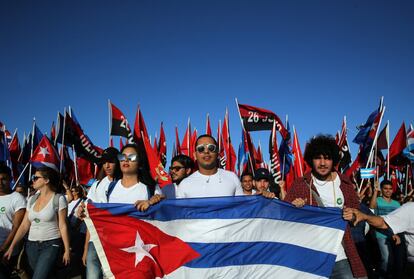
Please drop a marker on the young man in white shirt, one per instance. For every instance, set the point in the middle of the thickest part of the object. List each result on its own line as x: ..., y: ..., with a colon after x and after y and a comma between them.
x: 12, y: 210
x: 209, y: 180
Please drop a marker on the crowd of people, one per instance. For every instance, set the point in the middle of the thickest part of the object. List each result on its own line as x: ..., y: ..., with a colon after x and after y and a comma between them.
x: 44, y: 233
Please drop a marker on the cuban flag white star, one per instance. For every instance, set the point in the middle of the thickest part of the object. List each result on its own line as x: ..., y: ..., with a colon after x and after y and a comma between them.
x: 140, y: 249
x: 44, y: 151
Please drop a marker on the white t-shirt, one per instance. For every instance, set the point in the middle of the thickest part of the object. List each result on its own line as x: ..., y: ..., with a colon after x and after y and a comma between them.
x: 97, y: 192
x: 221, y: 184
x: 331, y: 196
x: 9, y: 205
x: 402, y: 220
x: 138, y: 192
x: 44, y: 224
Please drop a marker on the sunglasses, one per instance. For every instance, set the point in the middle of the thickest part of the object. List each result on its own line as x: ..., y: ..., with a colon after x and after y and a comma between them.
x: 34, y: 177
x: 129, y: 157
x: 206, y: 147
x: 176, y: 168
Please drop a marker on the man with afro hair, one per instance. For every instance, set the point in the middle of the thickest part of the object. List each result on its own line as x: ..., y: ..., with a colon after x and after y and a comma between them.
x: 325, y: 187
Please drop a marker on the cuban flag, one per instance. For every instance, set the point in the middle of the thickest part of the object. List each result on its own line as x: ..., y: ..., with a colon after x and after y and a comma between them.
x: 225, y: 237
x: 368, y: 173
x: 409, y: 150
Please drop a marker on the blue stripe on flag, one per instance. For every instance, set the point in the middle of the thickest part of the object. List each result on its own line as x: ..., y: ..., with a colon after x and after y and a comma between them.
x: 272, y: 253
x: 239, y: 207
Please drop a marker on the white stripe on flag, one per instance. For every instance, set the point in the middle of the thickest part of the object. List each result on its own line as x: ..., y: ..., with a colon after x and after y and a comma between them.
x: 253, y: 230
x: 249, y: 271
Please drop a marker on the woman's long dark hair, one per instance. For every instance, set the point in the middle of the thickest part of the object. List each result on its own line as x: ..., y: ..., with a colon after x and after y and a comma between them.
x: 143, y: 172
x: 53, y: 177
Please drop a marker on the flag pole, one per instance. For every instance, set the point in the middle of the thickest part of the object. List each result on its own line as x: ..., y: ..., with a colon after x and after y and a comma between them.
x: 31, y: 147
x: 63, y: 142
x: 372, y: 147
x: 76, y: 164
x: 110, y: 120
x: 388, y: 149
x: 242, y: 124
x: 20, y: 176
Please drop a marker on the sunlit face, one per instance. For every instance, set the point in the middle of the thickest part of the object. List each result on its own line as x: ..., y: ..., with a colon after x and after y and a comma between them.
x: 261, y: 184
x: 206, y: 160
x: 322, y: 166
x: 129, y: 166
x: 39, y: 181
x: 386, y: 191
x: 247, y: 183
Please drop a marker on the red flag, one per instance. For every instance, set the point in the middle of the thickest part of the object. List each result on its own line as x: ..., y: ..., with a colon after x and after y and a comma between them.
x: 111, y: 141
x: 398, y: 145
x: 15, y: 150
x: 139, y: 126
x: 162, y: 146
x: 85, y: 170
x: 299, y: 164
x: 228, y: 147
x: 259, y: 159
x: 177, y: 143
x: 53, y: 132
x: 157, y: 171
x: 192, y: 144
x: 45, y: 154
x: 121, y: 143
x: 185, y: 145
x: 119, y: 123
x: 208, y: 126
x: 221, y: 153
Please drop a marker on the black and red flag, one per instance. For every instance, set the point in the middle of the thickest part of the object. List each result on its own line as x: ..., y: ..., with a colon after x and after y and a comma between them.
x: 119, y: 123
x: 162, y: 146
x: 258, y: 119
x: 344, y: 153
x: 76, y: 138
x: 274, y: 157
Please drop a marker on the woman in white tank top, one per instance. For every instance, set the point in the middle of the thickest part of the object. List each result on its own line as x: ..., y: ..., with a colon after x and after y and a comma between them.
x: 45, y: 220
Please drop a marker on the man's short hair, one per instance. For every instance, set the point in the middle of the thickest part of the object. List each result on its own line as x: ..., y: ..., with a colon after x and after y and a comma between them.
x: 321, y: 145
x: 183, y: 160
x: 385, y: 182
x: 5, y: 170
x: 206, y: 136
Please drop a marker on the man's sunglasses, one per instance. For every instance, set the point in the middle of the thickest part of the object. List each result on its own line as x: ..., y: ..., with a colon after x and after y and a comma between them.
x: 177, y: 168
x: 34, y: 177
x: 129, y: 157
x: 206, y: 147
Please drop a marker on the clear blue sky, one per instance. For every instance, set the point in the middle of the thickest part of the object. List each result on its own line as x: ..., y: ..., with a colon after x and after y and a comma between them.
x: 315, y: 61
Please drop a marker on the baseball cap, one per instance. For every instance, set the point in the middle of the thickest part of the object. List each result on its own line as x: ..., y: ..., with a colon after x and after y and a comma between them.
x: 261, y: 173
x: 110, y: 155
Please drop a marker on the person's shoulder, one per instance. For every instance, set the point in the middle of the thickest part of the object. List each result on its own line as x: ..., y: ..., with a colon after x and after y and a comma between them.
x: 189, y: 179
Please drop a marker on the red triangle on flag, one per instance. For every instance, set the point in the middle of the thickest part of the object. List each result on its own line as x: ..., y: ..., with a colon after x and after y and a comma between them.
x: 136, y: 249
x: 45, y: 154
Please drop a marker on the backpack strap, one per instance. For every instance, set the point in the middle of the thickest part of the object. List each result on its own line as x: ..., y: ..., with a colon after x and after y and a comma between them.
x: 74, y: 208
x: 110, y: 189
x: 56, y: 202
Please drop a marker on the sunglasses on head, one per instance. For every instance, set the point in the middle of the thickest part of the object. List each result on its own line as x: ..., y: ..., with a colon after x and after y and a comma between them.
x: 34, y: 177
x: 206, y: 147
x: 177, y: 168
x: 129, y: 157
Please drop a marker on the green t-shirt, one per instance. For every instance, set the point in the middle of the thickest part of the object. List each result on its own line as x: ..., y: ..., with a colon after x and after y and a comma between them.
x: 384, y: 208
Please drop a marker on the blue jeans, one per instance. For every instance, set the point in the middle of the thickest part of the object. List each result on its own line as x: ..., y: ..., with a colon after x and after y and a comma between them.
x: 93, y: 265
x: 42, y: 256
x: 387, y: 255
x: 342, y: 270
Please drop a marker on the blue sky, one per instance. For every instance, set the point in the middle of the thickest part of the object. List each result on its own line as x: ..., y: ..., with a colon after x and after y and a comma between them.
x: 315, y: 61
